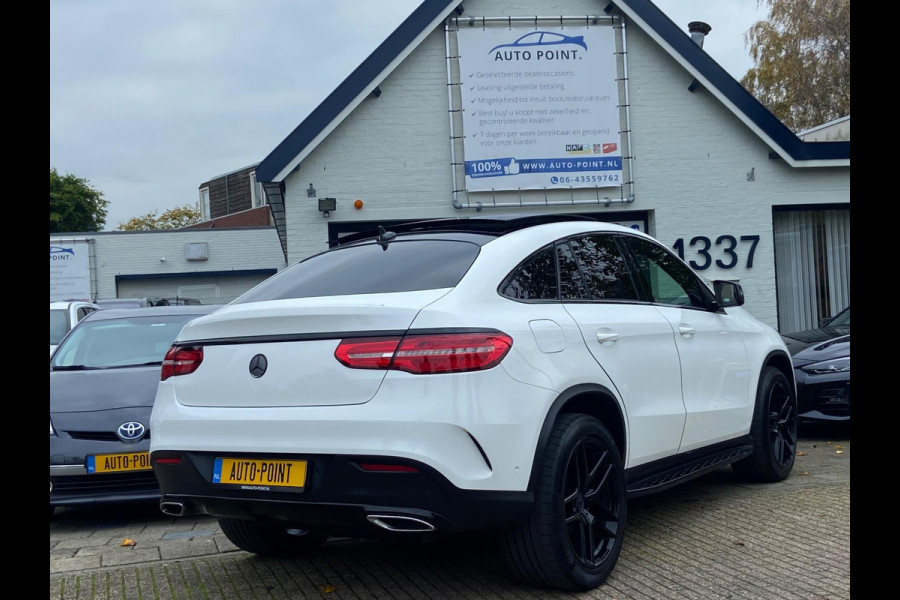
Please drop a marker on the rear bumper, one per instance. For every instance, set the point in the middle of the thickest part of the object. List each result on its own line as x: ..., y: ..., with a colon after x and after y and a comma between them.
x: 340, y: 498
x: 478, y: 430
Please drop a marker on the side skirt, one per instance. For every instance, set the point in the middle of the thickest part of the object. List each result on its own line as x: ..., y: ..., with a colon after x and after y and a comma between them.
x: 668, y: 472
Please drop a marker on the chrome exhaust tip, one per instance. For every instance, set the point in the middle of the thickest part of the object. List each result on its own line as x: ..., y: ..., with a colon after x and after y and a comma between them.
x: 173, y: 509
x: 400, y: 523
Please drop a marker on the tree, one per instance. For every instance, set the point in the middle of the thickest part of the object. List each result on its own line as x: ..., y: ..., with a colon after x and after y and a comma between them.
x: 802, y: 61
x: 174, y: 218
x: 74, y: 204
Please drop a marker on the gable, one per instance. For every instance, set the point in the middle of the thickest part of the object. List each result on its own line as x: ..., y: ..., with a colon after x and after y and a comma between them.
x: 364, y: 81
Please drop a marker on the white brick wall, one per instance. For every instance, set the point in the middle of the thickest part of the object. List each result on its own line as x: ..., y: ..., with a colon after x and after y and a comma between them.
x: 135, y: 253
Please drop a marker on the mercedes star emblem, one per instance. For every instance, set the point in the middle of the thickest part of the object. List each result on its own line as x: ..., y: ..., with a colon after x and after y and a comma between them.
x: 258, y: 365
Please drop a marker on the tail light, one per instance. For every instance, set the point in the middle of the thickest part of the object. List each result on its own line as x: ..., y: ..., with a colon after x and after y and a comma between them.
x: 181, y: 360
x: 426, y: 353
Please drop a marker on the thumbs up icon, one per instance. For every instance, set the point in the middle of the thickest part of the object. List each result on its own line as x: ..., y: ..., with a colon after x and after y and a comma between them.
x: 512, y: 169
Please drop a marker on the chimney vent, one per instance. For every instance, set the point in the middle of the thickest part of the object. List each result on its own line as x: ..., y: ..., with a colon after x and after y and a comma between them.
x: 698, y: 31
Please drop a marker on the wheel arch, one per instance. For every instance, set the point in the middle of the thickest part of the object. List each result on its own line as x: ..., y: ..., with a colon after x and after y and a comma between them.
x: 589, y: 399
x: 781, y: 361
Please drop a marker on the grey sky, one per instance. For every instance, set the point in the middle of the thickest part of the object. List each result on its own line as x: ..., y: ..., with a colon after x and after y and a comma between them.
x: 150, y: 99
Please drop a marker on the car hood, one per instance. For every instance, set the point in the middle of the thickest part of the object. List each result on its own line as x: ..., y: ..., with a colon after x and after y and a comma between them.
x: 833, y: 348
x: 103, y: 390
x: 800, y: 340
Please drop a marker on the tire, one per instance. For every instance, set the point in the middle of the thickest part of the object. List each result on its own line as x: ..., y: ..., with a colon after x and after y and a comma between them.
x: 269, y: 541
x: 773, y: 429
x: 572, y: 539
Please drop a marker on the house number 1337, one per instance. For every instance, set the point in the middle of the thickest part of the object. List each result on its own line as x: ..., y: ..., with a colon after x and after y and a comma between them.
x: 725, y: 246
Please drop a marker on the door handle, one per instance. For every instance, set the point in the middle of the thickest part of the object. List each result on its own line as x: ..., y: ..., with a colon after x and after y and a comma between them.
x: 607, y: 337
x: 686, y: 330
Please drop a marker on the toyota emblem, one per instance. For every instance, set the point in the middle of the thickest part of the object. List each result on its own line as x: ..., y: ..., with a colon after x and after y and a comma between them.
x: 132, y: 431
x: 258, y: 365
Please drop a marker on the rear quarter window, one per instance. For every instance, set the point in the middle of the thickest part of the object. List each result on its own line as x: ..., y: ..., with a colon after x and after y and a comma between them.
x: 401, y: 266
x: 534, y: 279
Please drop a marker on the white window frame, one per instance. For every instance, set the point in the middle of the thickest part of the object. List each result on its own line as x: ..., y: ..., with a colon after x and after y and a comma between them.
x: 257, y: 193
x: 204, y: 204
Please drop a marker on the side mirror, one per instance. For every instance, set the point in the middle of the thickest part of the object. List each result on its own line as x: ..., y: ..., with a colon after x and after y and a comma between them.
x: 728, y: 293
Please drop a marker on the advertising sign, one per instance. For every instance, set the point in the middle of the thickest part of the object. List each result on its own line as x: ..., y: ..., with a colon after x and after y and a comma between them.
x: 540, y: 107
x: 70, y: 270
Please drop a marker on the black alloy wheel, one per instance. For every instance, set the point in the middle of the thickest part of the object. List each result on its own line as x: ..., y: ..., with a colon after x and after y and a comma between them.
x: 773, y: 429
x: 782, y: 424
x: 590, y: 502
x: 573, y: 537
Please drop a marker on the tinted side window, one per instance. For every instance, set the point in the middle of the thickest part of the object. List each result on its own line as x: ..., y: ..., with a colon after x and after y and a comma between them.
x: 535, y: 279
x: 571, y: 279
x: 666, y: 279
x: 604, y: 268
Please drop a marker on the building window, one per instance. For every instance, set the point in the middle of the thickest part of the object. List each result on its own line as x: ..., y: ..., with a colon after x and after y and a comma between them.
x: 204, y: 205
x: 257, y: 193
x: 812, y: 266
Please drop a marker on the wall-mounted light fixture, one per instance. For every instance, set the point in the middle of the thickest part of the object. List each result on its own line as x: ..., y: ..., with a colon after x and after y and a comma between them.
x: 310, y: 191
x: 326, y: 205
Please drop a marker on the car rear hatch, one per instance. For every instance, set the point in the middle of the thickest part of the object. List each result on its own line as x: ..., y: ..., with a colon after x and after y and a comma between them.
x: 275, y: 345
x: 281, y: 353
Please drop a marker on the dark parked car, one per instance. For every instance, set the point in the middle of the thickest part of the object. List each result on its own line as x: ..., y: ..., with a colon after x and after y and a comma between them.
x: 103, y: 381
x: 821, y: 360
x: 829, y: 328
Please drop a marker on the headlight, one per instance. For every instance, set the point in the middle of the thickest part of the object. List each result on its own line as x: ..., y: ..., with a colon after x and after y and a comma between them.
x: 51, y: 429
x: 836, y: 365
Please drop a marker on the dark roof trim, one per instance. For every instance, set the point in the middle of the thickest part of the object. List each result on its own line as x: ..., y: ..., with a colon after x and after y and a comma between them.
x: 728, y: 89
x: 197, y: 274
x: 361, y: 77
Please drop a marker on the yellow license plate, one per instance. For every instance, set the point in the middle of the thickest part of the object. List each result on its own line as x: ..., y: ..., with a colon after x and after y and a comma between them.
x: 262, y: 474
x: 117, y: 463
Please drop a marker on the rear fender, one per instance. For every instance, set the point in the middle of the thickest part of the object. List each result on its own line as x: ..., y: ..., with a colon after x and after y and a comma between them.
x: 590, y: 399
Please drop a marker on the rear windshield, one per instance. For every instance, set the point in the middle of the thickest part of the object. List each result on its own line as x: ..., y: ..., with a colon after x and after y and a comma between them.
x: 403, y: 266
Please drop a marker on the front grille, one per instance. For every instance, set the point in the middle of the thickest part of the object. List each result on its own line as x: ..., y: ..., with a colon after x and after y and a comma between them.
x: 99, y: 436
x: 111, y: 483
x: 833, y: 401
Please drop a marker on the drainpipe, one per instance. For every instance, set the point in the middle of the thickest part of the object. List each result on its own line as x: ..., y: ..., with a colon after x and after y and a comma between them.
x: 227, y: 199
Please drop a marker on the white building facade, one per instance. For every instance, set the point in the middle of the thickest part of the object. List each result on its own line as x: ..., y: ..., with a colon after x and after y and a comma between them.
x: 704, y: 167
x: 214, y: 266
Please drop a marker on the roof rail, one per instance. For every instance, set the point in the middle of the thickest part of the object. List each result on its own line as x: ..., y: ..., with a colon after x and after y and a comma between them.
x: 494, y: 225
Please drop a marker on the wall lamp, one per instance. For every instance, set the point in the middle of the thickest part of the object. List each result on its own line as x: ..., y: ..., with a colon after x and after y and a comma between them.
x: 326, y: 205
